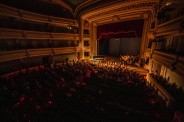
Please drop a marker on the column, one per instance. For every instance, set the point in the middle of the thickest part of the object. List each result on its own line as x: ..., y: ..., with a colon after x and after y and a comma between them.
x: 144, y: 43
x: 93, y: 39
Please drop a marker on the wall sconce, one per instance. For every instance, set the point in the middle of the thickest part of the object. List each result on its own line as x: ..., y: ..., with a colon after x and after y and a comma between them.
x: 69, y: 27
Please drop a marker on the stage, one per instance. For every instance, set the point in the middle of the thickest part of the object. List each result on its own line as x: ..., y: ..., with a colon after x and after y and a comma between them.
x: 116, y: 59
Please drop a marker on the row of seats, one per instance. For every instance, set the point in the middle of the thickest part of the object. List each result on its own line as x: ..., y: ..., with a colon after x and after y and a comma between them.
x: 80, y: 91
x: 173, y: 89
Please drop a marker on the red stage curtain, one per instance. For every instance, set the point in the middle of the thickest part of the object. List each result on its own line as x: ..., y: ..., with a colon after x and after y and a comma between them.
x: 124, y: 29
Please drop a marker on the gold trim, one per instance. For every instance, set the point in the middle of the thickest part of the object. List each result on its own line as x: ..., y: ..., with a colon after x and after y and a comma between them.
x: 24, y: 34
x: 30, y: 16
x: 18, y: 54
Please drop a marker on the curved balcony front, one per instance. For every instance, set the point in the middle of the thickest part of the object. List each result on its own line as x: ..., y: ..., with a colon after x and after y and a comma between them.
x: 19, y: 54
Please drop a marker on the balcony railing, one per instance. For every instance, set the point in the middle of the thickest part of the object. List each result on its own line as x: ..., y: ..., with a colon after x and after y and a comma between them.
x: 161, y: 91
x: 18, y: 54
x: 165, y: 58
x: 180, y: 66
x: 23, y: 34
x: 7, y: 22
x: 30, y: 16
x: 170, y: 27
x: 172, y: 61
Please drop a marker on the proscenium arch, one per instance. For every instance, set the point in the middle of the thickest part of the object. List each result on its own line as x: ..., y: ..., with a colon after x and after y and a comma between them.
x: 122, y: 11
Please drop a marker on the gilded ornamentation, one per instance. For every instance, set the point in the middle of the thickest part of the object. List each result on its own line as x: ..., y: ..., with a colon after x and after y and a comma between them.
x: 115, y: 18
x: 138, y: 5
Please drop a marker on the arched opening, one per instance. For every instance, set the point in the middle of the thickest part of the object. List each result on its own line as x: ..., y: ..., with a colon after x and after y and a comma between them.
x: 120, y: 38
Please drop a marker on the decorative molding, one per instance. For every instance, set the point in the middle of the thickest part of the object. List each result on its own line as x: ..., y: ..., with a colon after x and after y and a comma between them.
x: 61, y: 3
x: 24, y: 34
x: 122, y: 11
x: 165, y: 59
x: 162, y: 92
x: 84, y: 4
x: 145, y: 16
x: 115, y: 18
x: 19, y: 54
x: 180, y: 66
x: 122, y: 17
x: 178, y: 19
x: 148, y: 52
x: 30, y: 16
x: 151, y: 35
x: 170, y: 27
x: 134, y: 5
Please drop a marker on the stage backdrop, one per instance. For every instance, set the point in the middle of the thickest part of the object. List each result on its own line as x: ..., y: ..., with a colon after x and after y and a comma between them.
x: 120, y: 38
x: 124, y: 46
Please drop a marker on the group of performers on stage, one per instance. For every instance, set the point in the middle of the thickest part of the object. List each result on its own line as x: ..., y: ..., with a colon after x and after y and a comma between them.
x: 129, y: 59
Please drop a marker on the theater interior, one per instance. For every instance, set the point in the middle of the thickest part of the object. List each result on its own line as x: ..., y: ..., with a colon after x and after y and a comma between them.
x: 92, y: 60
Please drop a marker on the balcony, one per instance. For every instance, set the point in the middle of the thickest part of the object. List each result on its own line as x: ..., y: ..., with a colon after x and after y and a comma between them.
x: 23, y: 34
x: 165, y: 59
x: 172, y: 61
x: 161, y: 91
x: 30, y: 16
x: 179, y: 67
x: 170, y: 27
x: 18, y: 54
x: 169, y: 10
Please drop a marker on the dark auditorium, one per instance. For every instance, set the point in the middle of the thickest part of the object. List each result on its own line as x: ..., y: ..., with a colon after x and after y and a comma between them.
x: 91, y: 60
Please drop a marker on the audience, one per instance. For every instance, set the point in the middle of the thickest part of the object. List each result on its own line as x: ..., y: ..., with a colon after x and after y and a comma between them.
x: 79, y: 91
x: 173, y: 89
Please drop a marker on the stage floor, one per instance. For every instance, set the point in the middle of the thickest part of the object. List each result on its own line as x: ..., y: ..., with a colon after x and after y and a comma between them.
x: 116, y: 59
